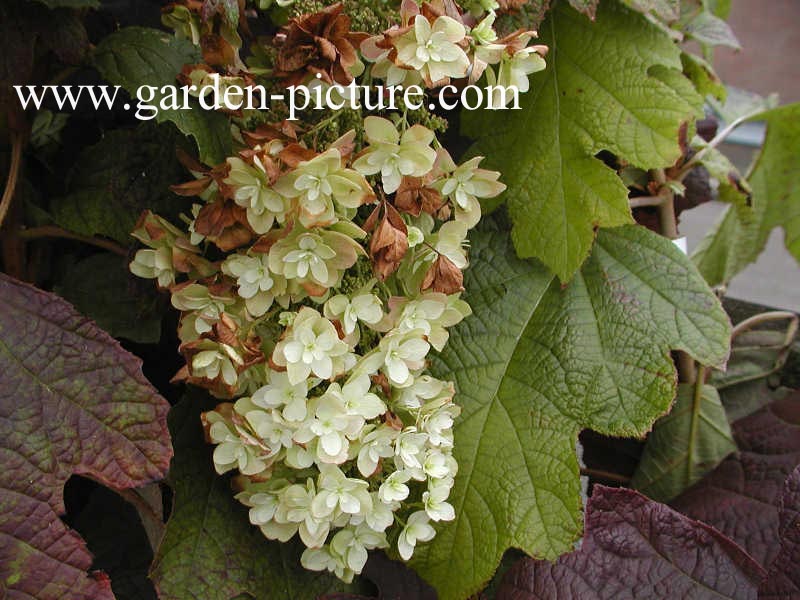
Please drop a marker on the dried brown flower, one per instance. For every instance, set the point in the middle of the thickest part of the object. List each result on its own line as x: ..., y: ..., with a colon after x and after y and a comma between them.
x: 319, y: 43
x: 414, y: 196
x: 389, y: 242
x: 224, y: 223
x: 444, y: 277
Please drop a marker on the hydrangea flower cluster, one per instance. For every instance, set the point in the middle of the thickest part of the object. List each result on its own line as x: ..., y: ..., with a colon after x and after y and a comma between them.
x: 314, y: 279
x: 433, y: 46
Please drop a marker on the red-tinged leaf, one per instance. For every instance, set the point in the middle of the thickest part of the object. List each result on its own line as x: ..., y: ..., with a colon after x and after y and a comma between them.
x: 783, y: 579
x: 72, y: 401
x: 741, y: 496
x: 635, y: 548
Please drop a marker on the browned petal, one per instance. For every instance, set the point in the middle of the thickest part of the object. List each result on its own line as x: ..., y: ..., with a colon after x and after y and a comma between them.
x: 217, y: 51
x: 444, y: 277
x: 192, y: 188
x: 294, y: 154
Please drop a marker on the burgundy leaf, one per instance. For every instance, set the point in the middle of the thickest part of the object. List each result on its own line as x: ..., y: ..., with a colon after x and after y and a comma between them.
x: 636, y: 548
x: 783, y: 579
x: 741, y: 496
x: 72, y: 401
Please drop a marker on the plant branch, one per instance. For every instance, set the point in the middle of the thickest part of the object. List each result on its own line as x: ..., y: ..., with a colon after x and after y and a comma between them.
x: 17, y: 143
x: 644, y: 201
x: 718, y: 139
x: 669, y: 228
x: 53, y: 231
x: 605, y: 475
x: 697, y: 400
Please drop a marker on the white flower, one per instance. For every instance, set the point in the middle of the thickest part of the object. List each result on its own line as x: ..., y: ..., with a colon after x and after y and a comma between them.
x: 395, y: 156
x: 465, y: 184
x: 263, y: 507
x: 436, y: 465
x: 206, y: 308
x: 280, y: 392
x: 352, y: 545
x: 380, y: 517
x: 316, y: 257
x: 336, y: 491
x: 333, y: 427
x: 435, y: 503
x: 257, y: 285
x: 311, y: 346
x: 439, y: 425
x: 210, y: 363
x: 322, y: 559
x: 450, y: 242
x: 375, y: 445
x: 417, y: 529
x: 423, y: 388
x: 296, y: 507
x: 403, y: 353
x: 317, y: 183
x: 410, y: 449
x: 232, y: 449
x: 253, y: 192
x: 154, y: 264
x: 357, y: 399
x: 267, y: 425
x: 434, y: 50
x: 394, y: 489
x: 363, y: 307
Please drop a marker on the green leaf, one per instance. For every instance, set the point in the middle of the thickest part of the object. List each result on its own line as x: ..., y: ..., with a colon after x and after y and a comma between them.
x: 613, y: 85
x: 137, y: 56
x: 734, y: 243
x: 685, y: 445
x: 668, y: 10
x: 102, y: 288
x: 710, y: 30
x: 587, y: 7
x: 702, y: 75
x: 536, y: 364
x: 72, y: 401
x: 113, y: 181
x: 210, y: 549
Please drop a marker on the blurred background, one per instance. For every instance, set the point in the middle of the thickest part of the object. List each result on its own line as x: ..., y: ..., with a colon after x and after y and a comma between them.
x: 769, y: 32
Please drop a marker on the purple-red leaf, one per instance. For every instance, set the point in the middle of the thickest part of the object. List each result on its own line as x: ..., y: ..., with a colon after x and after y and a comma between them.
x: 636, y: 548
x: 783, y: 579
x: 72, y: 401
x: 741, y: 496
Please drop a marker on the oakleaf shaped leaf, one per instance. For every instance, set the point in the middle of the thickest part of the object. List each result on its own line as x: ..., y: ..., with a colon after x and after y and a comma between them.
x: 115, y: 180
x: 72, y: 401
x: 637, y: 548
x: 783, y: 578
x: 735, y: 242
x: 684, y: 445
x: 138, y: 57
x: 210, y: 549
x: 740, y: 497
x: 613, y: 84
x: 536, y: 364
